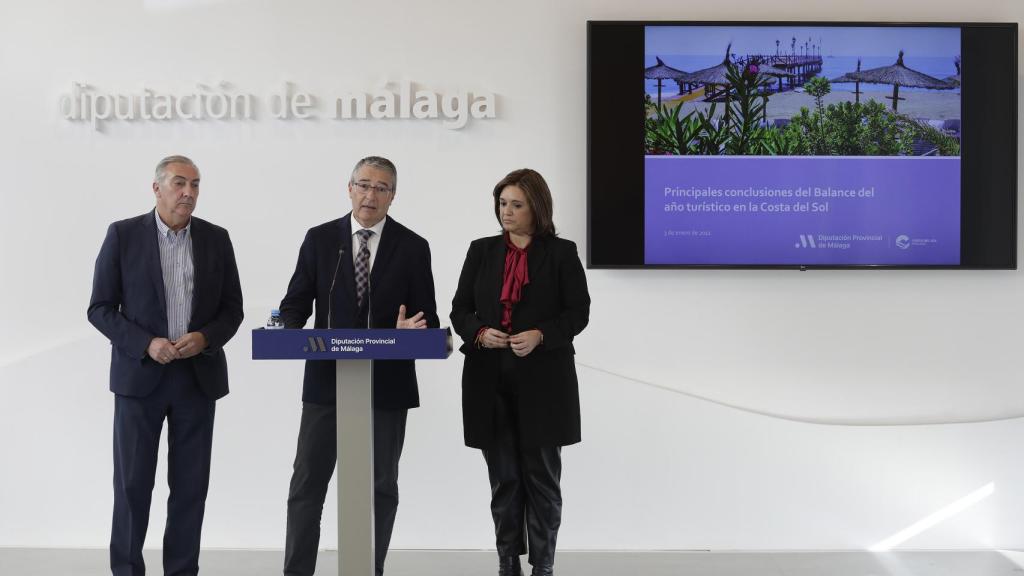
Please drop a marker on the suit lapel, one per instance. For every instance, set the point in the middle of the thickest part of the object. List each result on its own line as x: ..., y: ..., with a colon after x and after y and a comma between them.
x: 496, y: 258
x: 198, y: 235
x: 152, y: 251
x: 386, y: 245
x: 536, y: 253
x: 345, y: 287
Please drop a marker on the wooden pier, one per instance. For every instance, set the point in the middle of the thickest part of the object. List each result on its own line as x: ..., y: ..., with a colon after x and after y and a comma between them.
x: 799, y: 70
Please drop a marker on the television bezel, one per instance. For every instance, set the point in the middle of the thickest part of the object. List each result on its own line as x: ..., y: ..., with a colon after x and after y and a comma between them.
x: 1010, y: 173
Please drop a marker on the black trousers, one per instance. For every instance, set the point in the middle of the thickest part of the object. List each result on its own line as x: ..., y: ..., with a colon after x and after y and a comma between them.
x: 138, y: 423
x: 526, y: 492
x: 315, y: 457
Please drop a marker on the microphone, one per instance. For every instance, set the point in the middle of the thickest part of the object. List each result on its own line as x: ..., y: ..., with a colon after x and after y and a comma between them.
x: 330, y: 293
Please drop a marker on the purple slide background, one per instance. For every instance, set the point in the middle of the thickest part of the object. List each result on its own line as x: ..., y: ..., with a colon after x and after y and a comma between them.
x: 915, y: 211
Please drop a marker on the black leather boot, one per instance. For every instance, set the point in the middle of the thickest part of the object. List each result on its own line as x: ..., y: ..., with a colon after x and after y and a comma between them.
x: 509, y: 566
x: 542, y: 571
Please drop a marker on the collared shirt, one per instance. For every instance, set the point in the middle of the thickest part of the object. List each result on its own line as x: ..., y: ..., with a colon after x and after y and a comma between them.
x: 372, y: 243
x: 178, y: 272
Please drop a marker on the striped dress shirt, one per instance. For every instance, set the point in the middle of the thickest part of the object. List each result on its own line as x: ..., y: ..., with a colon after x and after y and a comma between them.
x: 178, y: 272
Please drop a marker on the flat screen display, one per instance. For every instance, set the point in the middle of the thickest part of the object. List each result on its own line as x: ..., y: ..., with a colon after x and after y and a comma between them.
x: 802, y: 145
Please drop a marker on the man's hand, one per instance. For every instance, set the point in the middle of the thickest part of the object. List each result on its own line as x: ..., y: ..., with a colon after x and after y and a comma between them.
x: 162, y: 350
x: 524, y: 342
x: 190, y: 344
x: 416, y: 321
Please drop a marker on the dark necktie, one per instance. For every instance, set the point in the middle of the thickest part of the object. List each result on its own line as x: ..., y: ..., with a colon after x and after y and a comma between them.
x: 363, y: 266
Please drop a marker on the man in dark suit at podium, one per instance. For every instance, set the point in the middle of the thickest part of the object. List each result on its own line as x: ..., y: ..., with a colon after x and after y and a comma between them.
x: 364, y: 270
x: 166, y: 293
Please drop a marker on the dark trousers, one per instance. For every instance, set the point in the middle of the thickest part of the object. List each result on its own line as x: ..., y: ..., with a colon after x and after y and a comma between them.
x: 525, y: 484
x: 138, y: 423
x: 315, y: 457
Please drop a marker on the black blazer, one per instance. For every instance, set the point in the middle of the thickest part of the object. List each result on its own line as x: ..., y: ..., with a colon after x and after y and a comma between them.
x: 128, y: 303
x: 401, y: 274
x: 557, y: 303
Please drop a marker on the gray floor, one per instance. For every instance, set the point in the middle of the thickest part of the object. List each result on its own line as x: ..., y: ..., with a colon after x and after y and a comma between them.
x: 65, y: 562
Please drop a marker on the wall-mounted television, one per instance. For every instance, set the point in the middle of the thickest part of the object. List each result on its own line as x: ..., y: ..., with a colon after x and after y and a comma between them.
x: 802, y: 145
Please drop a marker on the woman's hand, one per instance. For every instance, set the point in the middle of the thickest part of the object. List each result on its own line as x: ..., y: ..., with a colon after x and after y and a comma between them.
x: 524, y: 342
x: 491, y: 338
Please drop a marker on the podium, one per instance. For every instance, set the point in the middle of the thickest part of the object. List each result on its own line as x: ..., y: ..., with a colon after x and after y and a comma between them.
x: 353, y: 351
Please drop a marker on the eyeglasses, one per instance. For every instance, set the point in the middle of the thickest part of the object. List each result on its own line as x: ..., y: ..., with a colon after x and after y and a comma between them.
x: 364, y: 188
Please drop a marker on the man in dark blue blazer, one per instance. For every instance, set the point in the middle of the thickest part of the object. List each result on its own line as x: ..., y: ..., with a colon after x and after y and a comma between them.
x: 166, y: 293
x: 362, y: 270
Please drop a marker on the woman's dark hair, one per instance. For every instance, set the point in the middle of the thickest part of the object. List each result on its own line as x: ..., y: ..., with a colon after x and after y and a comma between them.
x: 538, y: 198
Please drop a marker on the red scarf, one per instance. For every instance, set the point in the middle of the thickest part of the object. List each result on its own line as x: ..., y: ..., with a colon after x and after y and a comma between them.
x: 512, y: 283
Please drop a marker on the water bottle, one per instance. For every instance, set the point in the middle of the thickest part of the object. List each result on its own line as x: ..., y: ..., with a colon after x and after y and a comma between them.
x: 275, y: 322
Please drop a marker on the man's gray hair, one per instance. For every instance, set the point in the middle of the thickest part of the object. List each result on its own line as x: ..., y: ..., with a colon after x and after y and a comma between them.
x: 161, y: 167
x: 377, y: 162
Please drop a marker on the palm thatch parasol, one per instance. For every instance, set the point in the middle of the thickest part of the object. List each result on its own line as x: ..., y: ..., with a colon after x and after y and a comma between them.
x: 662, y: 72
x: 899, y: 75
x: 715, y: 75
x: 851, y: 77
x: 779, y: 73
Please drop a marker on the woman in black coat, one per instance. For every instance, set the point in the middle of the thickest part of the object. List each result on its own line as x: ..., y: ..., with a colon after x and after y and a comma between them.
x: 522, y: 297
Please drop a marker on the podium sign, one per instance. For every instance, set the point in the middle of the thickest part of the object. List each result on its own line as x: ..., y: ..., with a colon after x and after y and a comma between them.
x: 348, y: 344
x: 353, y: 350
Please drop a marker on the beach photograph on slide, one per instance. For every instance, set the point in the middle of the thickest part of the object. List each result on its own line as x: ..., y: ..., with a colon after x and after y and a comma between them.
x: 789, y: 91
x: 783, y: 145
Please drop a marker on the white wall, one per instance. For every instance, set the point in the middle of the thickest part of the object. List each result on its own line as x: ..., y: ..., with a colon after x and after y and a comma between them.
x: 817, y: 371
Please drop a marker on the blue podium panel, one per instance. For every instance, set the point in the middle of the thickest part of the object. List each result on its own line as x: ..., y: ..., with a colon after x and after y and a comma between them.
x: 353, y: 351
x: 351, y: 344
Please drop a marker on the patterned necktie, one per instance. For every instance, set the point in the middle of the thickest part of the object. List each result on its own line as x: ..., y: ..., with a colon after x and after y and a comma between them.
x: 363, y: 266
